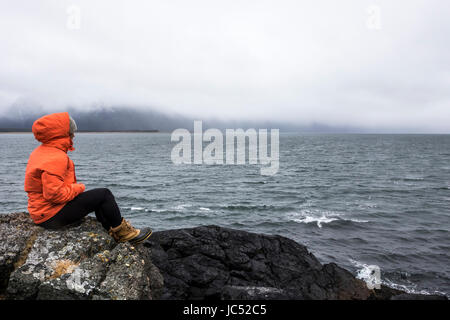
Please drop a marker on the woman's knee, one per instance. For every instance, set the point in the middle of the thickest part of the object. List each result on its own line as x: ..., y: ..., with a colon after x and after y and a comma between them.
x: 101, y: 193
x: 107, y: 193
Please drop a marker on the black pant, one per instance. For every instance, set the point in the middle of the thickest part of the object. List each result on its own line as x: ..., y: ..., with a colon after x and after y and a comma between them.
x: 100, y: 200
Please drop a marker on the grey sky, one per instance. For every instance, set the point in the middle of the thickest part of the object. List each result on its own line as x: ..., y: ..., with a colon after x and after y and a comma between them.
x: 298, y: 61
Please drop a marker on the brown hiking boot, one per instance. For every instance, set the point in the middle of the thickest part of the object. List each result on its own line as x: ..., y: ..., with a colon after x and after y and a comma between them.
x: 125, y: 232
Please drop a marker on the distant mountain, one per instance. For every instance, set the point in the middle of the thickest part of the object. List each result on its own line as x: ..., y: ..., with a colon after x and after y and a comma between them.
x: 131, y: 119
x: 102, y: 119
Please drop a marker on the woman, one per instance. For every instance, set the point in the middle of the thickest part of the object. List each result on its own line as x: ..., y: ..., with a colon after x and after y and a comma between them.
x: 55, y: 199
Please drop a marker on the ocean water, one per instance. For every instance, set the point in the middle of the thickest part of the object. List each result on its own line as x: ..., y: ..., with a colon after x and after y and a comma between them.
x: 356, y: 200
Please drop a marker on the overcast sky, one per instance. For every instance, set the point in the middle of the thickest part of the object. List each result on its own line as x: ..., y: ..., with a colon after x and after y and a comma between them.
x: 373, y: 64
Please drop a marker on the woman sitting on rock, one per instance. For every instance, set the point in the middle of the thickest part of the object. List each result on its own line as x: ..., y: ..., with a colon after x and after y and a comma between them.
x: 55, y: 199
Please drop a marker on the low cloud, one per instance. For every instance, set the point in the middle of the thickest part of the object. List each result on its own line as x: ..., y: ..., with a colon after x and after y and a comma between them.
x: 324, y: 62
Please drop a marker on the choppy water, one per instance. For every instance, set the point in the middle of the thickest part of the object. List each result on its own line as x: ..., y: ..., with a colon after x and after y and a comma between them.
x: 356, y: 200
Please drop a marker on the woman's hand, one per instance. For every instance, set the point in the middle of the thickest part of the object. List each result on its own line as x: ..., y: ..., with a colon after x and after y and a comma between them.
x: 81, y: 186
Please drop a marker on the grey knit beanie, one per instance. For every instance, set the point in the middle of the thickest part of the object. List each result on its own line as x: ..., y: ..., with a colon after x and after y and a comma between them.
x: 73, y: 125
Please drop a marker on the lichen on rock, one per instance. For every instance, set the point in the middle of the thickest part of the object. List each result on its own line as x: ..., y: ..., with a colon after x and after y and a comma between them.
x: 76, y: 262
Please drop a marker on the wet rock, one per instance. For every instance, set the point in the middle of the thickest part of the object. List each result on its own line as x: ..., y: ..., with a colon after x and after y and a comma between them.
x: 210, y: 262
x: 387, y: 293
x: 220, y: 263
x: 77, y: 262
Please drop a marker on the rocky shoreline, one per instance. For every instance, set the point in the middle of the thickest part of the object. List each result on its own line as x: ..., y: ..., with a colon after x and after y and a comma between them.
x: 207, y: 262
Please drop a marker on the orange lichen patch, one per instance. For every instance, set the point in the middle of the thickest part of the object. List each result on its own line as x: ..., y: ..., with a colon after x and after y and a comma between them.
x: 63, y: 267
x: 103, y: 256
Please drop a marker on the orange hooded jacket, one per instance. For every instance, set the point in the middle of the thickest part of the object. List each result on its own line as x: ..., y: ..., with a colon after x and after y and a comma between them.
x: 50, y: 179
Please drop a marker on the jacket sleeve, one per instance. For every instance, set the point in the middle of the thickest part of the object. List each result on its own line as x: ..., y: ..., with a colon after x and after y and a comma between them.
x: 55, y: 190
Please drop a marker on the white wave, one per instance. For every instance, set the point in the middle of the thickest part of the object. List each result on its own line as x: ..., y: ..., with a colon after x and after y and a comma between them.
x: 319, y: 217
x: 365, y: 273
x: 205, y: 209
x: 181, y: 207
x: 136, y: 209
x: 418, y: 178
x: 357, y: 220
x: 410, y: 288
x: 318, y: 220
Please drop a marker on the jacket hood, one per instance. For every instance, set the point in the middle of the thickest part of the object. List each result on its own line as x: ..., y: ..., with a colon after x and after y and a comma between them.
x: 53, y: 130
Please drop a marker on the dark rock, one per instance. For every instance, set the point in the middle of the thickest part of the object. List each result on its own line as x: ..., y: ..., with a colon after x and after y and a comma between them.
x: 384, y: 293
x: 210, y: 262
x: 213, y: 262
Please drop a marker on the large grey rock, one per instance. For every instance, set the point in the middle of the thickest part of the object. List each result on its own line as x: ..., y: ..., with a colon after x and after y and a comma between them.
x: 77, y: 262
